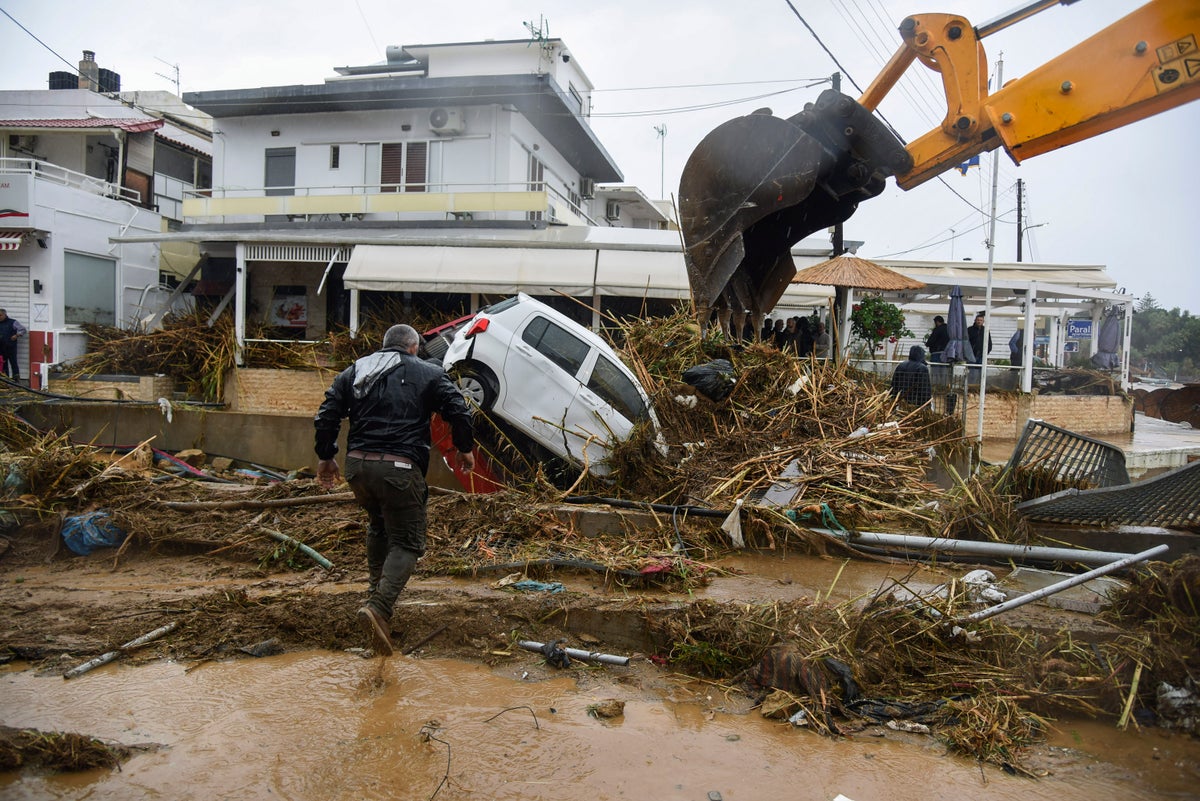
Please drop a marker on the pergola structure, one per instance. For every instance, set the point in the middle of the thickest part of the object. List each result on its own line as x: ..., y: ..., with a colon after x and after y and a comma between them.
x: 1019, y: 290
x: 590, y: 262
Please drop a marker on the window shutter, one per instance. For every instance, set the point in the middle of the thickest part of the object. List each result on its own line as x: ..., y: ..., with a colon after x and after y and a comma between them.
x: 391, y: 169
x: 417, y: 162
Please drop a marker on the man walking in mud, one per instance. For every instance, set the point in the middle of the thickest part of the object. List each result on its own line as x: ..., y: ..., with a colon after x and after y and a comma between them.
x: 389, y: 397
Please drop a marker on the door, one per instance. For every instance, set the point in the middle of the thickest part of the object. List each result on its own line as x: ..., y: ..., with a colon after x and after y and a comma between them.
x: 540, y: 381
x: 280, y: 176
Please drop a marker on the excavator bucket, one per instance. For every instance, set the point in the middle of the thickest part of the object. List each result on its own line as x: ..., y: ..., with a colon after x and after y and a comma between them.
x: 758, y: 184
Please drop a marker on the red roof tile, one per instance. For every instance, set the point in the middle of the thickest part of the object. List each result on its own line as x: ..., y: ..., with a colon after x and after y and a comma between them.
x: 128, y: 124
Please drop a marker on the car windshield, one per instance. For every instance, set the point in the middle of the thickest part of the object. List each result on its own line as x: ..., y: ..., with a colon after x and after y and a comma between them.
x: 611, y: 384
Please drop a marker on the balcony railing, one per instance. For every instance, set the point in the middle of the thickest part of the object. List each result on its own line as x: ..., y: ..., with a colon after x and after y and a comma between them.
x: 52, y: 173
x: 357, y: 201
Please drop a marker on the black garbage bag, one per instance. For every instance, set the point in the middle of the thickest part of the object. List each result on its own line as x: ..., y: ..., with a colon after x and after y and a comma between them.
x: 714, y: 380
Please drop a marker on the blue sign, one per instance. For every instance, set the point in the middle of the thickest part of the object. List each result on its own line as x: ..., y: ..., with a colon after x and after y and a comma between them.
x: 1079, y: 329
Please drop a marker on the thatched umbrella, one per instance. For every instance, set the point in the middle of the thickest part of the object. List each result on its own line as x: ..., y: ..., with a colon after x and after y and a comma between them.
x: 845, y: 272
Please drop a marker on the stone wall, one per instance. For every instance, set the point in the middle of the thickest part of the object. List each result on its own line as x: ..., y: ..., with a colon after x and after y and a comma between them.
x: 281, y: 392
x: 1005, y: 413
x: 113, y: 387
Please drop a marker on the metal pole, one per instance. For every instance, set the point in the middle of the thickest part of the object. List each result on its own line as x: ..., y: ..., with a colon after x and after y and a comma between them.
x: 1074, y: 581
x: 1003, y: 550
x: 575, y: 653
x: 987, y: 302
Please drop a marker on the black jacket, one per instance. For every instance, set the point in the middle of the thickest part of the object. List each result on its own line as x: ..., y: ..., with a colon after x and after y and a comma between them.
x: 911, y: 379
x: 938, y: 338
x: 975, y: 337
x: 389, y: 397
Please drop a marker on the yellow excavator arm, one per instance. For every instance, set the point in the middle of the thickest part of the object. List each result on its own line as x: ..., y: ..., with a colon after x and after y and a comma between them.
x: 1144, y: 63
x: 758, y: 184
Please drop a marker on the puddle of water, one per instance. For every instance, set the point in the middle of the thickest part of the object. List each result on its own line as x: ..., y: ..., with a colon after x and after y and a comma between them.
x: 329, y: 726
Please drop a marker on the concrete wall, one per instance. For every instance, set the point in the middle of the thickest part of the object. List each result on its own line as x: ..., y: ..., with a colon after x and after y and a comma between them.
x: 114, y: 387
x: 1004, y: 414
x: 279, y: 441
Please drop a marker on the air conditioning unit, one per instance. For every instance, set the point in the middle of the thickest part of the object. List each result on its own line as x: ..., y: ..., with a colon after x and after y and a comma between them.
x: 612, y: 210
x: 447, y: 121
x: 587, y: 188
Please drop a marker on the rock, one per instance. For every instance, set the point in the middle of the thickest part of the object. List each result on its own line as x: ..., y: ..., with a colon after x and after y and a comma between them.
x: 221, y: 463
x: 608, y: 708
x: 193, y: 456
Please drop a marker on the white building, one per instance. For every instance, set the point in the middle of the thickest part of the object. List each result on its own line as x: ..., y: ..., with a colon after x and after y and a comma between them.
x: 78, y: 168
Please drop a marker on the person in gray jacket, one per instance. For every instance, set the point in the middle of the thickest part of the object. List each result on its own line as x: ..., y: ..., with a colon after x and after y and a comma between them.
x: 389, y: 397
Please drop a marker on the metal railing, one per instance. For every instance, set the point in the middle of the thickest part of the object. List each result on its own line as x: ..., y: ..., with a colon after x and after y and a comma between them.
x: 61, y: 176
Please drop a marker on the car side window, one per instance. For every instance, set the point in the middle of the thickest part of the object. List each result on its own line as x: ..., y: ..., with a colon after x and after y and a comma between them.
x: 556, y: 343
x: 614, y: 386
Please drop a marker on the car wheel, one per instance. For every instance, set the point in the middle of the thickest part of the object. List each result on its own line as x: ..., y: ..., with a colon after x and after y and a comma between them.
x: 477, y: 384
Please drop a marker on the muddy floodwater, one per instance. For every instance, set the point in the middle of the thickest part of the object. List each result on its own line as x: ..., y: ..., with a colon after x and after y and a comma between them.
x: 318, y: 726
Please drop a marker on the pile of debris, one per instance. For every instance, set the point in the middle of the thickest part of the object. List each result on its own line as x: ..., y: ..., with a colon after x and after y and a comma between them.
x: 789, y: 437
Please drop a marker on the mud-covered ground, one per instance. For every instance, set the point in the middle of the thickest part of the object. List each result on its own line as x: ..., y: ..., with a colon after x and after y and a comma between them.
x: 234, y: 594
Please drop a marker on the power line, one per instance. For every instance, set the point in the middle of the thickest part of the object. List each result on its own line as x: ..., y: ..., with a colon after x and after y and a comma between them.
x: 74, y: 68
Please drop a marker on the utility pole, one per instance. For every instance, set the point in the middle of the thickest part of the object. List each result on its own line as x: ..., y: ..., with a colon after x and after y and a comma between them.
x: 661, y: 130
x: 838, y: 242
x: 1020, y: 228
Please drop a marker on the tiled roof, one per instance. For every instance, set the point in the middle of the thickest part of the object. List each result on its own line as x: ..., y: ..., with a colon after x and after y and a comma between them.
x: 128, y: 124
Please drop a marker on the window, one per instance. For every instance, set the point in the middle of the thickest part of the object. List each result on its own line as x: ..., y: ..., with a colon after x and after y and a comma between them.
x: 614, y: 386
x: 89, y: 289
x: 537, y: 178
x: 335, y: 156
x: 576, y: 98
x: 556, y: 344
x: 404, y: 167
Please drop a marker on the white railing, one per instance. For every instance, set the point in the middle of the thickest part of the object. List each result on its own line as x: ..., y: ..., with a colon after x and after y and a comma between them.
x: 52, y: 173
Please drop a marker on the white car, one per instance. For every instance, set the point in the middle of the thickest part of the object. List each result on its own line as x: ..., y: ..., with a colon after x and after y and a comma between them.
x: 550, y: 378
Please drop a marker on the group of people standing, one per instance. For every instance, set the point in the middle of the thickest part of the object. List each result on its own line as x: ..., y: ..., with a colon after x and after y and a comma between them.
x: 803, y: 336
x: 911, y: 379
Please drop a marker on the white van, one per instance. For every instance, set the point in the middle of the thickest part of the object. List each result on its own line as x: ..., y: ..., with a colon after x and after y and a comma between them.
x: 550, y: 378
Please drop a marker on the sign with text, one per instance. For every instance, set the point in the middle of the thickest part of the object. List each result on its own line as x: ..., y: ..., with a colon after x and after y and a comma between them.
x: 1079, y: 329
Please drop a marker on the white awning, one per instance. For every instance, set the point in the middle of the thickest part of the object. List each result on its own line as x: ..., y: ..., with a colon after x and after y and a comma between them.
x: 581, y: 271
x: 11, y: 240
x: 501, y: 271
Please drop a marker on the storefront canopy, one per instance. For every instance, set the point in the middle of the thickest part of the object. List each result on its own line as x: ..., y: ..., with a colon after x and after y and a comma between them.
x: 507, y: 270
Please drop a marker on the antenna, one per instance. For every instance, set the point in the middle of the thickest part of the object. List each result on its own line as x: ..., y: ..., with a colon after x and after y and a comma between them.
x: 661, y: 130
x: 540, y: 33
x: 175, y: 69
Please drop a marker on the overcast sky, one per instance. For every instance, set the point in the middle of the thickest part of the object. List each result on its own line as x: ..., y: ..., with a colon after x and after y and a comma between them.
x: 1129, y: 199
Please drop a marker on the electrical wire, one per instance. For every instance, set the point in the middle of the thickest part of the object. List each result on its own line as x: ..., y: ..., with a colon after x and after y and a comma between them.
x: 74, y: 68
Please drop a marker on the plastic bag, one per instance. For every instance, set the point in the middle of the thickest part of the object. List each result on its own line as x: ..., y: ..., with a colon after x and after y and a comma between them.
x: 85, y: 533
x: 714, y: 380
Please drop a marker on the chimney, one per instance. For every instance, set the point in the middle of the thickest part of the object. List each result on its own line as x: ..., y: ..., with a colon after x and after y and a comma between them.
x: 89, y: 72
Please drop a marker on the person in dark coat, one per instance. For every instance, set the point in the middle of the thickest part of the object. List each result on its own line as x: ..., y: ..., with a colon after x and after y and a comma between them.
x: 804, y: 339
x: 768, y: 330
x: 389, y: 397
x: 938, y: 339
x: 975, y: 337
x: 10, y: 332
x: 911, y: 379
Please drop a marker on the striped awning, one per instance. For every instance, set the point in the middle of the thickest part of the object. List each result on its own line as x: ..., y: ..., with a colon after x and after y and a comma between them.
x: 11, y: 240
